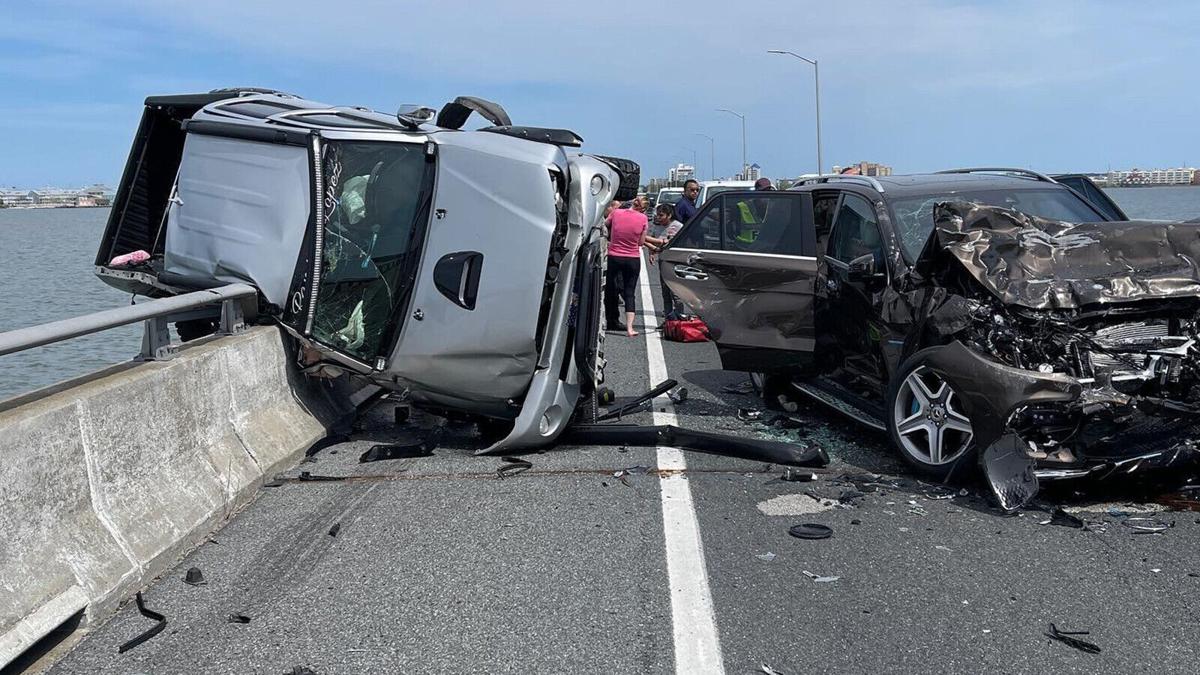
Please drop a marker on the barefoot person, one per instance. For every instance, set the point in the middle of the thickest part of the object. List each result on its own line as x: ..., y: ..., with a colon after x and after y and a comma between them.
x: 626, y: 238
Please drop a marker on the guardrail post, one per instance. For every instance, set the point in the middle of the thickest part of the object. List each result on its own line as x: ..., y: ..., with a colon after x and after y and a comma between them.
x: 156, y: 340
x: 232, y: 319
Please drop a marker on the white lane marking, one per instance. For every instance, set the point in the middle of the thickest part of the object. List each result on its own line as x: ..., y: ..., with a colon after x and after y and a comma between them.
x: 697, y: 645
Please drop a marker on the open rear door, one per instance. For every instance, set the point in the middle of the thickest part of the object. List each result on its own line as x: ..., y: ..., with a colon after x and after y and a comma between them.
x: 746, y: 265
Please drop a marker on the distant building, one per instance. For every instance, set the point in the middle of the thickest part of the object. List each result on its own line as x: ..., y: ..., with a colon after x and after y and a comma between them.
x: 753, y: 172
x: 49, y: 198
x: 1136, y: 177
x: 681, y: 172
x: 866, y: 169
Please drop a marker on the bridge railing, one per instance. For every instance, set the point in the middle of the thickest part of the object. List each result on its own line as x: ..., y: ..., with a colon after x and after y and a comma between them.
x: 156, y: 336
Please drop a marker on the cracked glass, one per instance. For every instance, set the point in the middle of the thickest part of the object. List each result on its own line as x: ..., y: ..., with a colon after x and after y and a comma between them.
x: 372, y: 198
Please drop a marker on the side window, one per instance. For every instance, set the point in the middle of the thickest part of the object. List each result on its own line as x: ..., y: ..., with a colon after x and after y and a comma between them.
x: 856, y: 232
x: 704, y: 230
x: 766, y: 223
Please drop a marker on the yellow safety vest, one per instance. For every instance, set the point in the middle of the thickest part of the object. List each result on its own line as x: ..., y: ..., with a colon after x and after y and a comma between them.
x: 749, y: 234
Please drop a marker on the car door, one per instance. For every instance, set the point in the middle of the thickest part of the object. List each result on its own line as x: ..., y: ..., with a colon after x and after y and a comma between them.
x: 856, y: 269
x: 1092, y: 193
x: 753, y: 286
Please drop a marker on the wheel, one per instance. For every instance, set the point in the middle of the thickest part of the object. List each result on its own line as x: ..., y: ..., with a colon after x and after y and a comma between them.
x: 926, y: 421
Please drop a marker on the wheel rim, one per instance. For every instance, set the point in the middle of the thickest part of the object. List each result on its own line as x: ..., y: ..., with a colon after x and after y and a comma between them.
x: 927, y: 418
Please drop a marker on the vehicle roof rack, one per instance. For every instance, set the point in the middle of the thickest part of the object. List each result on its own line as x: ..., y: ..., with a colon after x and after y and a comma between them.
x: 993, y: 169
x: 825, y: 178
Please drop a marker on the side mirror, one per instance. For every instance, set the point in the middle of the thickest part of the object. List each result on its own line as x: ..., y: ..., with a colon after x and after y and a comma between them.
x: 862, y: 268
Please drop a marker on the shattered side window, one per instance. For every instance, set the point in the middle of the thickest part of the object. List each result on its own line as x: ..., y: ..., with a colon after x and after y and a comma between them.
x: 372, y: 198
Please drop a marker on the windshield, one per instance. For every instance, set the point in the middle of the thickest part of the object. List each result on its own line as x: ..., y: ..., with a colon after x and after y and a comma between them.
x: 372, y: 198
x: 914, y: 215
x: 670, y: 198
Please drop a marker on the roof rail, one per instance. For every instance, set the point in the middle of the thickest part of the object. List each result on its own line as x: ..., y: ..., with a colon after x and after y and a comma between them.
x: 991, y: 169
x: 825, y: 178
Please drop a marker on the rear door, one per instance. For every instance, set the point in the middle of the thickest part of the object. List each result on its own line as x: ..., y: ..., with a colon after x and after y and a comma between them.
x: 751, y: 282
x: 1091, y: 192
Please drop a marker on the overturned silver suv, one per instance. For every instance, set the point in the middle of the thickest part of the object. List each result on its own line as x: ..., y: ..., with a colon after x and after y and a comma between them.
x: 462, y: 267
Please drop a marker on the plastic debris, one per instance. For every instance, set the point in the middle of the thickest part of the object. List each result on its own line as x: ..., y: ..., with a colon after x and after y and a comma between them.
x: 194, y: 577
x: 810, y: 531
x: 788, y: 422
x: 620, y: 474
x: 302, y: 670
x: 309, y: 477
x: 746, y: 387
x: 514, y: 466
x: 149, y: 632
x: 1064, y: 519
x: 769, y: 670
x: 1147, y: 525
x: 238, y: 618
x: 817, y: 578
x: 792, y: 476
x: 385, y: 451
x: 749, y: 414
x: 1066, y: 638
x: 944, y: 548
x: 765, y: 557
x: 678, y: 396
x: 333, y: 531
x: 786, y: 404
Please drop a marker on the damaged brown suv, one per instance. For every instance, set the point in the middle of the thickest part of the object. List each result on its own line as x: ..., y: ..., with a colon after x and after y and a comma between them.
x: 993, y: 316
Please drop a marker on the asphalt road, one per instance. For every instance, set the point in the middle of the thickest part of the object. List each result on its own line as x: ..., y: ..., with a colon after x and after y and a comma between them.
x: 439, y: 566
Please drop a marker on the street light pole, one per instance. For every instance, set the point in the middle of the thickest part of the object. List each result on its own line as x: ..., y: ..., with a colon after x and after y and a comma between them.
x: 734, y: 112
x: 712, y: 156
x: 817, y: 85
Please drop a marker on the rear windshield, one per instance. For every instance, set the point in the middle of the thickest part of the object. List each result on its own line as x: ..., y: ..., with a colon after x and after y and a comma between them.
x: 669, y: 197
x: 373, y: 196
x: 715, y: 190
x: 913, y: 216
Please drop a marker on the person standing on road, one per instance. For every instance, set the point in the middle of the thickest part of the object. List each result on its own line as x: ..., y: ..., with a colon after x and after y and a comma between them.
x: 626, y: 237
x: 686, y: 207
x: 664, y: 218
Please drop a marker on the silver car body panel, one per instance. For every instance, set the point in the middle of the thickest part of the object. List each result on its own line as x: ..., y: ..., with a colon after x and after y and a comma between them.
x: 234, y: 200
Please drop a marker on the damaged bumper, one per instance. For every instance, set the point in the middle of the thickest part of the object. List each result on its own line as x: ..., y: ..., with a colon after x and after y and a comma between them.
x: 1032, y: 425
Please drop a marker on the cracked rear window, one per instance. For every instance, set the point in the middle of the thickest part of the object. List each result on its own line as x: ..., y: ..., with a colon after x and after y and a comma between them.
x: 373, y: 193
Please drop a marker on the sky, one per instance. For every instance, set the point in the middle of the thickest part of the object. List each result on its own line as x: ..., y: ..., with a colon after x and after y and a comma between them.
x: 924, y: 85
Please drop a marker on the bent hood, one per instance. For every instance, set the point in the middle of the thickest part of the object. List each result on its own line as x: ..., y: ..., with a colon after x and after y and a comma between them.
x: 1047, y: 264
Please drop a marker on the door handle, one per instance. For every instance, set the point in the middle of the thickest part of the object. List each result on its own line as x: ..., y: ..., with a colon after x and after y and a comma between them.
x: 691, y: 273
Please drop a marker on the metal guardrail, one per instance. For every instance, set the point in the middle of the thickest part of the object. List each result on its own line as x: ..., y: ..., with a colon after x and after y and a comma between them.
x: 156, y: 338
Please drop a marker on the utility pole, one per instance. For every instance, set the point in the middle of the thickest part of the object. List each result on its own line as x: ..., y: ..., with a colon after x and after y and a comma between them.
x: 817, y: 85
x: 712, y: 156
x: 743, y: 117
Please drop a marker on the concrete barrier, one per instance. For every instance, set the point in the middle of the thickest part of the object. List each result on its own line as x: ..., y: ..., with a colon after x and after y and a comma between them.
x: 107, y: 482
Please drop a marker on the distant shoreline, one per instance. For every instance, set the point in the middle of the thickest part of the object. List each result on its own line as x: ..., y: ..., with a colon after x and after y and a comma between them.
x: 1114, y: 187
x: 54, y: 206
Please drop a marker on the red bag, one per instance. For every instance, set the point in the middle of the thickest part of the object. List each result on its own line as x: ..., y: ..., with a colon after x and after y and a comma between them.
x: 685, y: 330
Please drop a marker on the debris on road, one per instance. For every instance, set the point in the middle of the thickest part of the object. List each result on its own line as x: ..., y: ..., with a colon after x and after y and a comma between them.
x: 743, y: 388
x: 238, y: 618
x: 1063, y: 519
x: 307, y: 477
x: 514, y: 466
x: 786, y: 404
x: 1147, y: 525
x: 817, y: 578
x: 749, y: 414
x: 620, y: 474
x: 639, y: 402
x: 333, y: 531
x: 1066, y: 638
x: 754, y: 449
x: 149, y: 632
x: 793, y: 476
x: 385, y: 451
x: 769, y: 670
x: 194, y: 577
x: 678, y: 396
x: 811, y: 531
x: 765, y: 557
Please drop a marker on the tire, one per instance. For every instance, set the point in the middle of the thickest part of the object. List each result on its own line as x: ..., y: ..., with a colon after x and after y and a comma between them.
x: 925, y: 421
x: 631, y: 176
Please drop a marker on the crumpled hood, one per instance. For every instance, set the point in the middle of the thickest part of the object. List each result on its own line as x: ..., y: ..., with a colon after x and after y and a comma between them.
x: 1047, y: 264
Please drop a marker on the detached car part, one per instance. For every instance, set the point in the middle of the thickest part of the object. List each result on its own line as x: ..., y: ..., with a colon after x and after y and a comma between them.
x: 460, y: 267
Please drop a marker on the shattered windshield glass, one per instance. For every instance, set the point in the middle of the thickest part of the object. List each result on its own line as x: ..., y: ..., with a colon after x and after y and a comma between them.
x: 372, y: 198
x: 914, y: 215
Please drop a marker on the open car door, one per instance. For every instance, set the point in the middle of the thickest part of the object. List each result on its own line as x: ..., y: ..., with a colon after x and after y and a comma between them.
x: 1092, y: 193
x: 746, y: 264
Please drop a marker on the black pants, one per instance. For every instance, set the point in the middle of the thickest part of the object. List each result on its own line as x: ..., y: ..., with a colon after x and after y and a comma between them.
x: 622, y: 279
x: 671, y: 305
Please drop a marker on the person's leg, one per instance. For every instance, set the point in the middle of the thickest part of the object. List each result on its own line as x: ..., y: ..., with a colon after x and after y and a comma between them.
x: 667, y: 297
x: 629, y: 293
x: 612, y: 319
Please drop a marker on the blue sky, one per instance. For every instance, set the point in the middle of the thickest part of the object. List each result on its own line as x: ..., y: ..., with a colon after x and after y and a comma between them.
x: 1062, y: 85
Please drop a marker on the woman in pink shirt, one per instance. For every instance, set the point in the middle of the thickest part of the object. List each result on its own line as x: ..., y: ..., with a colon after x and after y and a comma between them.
x: 627, y: 235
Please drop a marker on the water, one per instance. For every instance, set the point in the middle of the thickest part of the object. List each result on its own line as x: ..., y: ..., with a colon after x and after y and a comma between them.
x: 48, y: 256
x: 1158, y: 203
x: 49, y: 252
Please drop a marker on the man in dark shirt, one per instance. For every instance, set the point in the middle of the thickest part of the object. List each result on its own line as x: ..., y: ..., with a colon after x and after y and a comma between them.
x: 685, y: 208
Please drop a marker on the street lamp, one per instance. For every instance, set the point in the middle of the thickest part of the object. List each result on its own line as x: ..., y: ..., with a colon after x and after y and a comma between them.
x: 712, y: 155
x: 734, y: 112
x: 817, y: 85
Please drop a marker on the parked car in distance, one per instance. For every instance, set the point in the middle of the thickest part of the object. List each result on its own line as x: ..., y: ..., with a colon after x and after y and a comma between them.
x: 668, y: 196
x: 975, y: 315
x: 712, y: 188
x: 461, y: 267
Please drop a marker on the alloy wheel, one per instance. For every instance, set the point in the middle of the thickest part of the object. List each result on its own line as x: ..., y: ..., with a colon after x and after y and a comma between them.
x: 928, y: 419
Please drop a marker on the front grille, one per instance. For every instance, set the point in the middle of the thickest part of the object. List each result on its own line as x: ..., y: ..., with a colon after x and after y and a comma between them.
x: 1126, y: 336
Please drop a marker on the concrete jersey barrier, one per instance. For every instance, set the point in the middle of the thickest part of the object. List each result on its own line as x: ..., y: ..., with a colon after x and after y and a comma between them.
x: 106, y: 483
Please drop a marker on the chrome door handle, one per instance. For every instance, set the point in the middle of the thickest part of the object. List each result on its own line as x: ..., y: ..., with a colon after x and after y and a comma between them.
x: 685, y: 272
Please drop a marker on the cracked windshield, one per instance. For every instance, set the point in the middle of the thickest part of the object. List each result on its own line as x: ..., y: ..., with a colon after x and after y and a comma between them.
x: 372, y: 195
